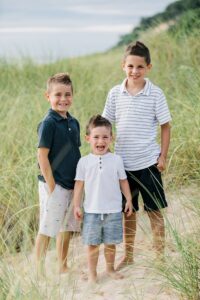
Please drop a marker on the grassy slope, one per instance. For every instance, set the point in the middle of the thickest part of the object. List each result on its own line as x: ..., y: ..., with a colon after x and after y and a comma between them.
x: 175, y: 70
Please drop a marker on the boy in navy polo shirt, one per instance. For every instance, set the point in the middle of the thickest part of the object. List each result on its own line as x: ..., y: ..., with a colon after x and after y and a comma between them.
x: 137, y: 107
x: 58, y: 155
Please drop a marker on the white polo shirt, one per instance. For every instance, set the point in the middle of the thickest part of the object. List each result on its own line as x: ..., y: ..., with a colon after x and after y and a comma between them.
x: 101, y: 175
x: 136, y: 119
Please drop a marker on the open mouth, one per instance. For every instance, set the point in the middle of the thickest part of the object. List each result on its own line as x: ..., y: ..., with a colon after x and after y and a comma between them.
x: 100, y: 148
x: 63, y: 105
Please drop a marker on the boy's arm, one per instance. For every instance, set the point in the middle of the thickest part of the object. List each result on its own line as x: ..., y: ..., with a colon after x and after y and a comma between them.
x: 45, y: 168
x: 165, y: 140
x: 78, y: 193
x: 124, y: 185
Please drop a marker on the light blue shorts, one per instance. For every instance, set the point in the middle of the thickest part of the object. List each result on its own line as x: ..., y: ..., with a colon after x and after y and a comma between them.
x: 102, y: 228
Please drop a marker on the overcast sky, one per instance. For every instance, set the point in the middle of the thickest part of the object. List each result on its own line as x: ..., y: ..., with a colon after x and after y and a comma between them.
x: 95, y: 24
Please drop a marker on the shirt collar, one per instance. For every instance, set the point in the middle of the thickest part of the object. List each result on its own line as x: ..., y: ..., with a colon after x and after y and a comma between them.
x: 100, y: 156
x: 145, y: 91
x: 56, y: 116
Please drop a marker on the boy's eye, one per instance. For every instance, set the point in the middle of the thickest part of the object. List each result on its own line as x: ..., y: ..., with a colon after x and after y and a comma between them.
x: 65, y: 95
x: 140, y: 67
x: 57, y: 94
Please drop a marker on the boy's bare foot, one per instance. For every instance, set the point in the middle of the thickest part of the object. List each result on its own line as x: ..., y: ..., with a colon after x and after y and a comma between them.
x: 126, y: 261
x: 160, y: 258
x: 41, y: 276
x: 92, y: 278
x: 84, y: 276
x: 63, y: 270
x: 115, y: 275
x: 40, y: 271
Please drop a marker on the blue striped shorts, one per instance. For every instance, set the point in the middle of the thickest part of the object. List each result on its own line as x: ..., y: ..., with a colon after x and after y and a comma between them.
x: 102, y: 228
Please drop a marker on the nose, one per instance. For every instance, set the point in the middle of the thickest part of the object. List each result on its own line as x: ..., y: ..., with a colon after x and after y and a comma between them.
x: 134, y: 70
x: 101, y: 140
x: 63, y: 98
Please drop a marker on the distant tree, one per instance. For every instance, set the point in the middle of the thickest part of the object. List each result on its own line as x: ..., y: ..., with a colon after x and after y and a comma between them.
x: 172, y: 12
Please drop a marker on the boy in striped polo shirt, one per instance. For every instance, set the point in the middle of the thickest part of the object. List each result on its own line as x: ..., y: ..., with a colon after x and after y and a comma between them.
x: 136, y: 107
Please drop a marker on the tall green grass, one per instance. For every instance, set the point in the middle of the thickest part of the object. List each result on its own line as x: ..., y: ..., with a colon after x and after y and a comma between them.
x: 22, y: 105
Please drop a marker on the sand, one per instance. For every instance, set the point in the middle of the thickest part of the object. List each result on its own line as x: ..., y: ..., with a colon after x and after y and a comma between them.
x: 142, y: 280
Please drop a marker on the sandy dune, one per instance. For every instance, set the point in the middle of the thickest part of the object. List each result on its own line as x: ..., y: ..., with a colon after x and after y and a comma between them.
x: 141, y: 280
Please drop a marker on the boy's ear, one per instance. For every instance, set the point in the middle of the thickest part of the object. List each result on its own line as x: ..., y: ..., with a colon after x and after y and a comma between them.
x: 87, y: 137
x: 122, y: 65
x: 46, y: 95
x: 149, y: 66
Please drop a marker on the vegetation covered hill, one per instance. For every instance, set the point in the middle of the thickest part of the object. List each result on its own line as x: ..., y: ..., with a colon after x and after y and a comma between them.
x: 176, y: 70
x: 178, y: 12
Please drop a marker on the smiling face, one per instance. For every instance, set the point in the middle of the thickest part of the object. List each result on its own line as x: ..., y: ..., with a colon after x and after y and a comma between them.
x: 99, y: 139
x: 60, y: 97
x: 135, y: 68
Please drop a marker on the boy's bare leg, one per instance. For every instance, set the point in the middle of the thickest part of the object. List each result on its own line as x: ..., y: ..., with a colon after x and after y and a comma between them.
x: 109, y: 252
x: 158, y: 230
x: 41, y: 246
x: 129, y: 227
x: 62, y: 246
x: 93, y: 255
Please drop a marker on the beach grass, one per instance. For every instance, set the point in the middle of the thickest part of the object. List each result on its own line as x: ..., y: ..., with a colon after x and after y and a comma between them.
x: 175, y: 69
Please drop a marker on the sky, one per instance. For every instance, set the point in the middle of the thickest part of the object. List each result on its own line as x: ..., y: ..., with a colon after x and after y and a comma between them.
x: 53, y: 29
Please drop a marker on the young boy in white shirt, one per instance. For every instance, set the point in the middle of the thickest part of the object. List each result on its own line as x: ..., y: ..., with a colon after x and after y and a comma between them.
x: 101, y: 174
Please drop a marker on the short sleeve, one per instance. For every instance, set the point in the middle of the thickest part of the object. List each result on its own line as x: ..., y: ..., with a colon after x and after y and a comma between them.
x: 80, y: 173
x: 109, y: 108
x: 45, y: 134
x: 162, y: 111
x: 120, y: 168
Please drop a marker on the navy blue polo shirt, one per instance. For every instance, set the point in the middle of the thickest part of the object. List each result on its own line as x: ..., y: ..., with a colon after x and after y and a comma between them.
x: 62, y: 137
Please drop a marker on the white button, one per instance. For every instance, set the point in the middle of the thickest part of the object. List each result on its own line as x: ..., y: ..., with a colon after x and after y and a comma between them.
x: 69, y: 129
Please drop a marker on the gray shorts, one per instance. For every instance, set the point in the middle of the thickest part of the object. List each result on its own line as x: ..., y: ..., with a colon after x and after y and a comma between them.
x: 102, y: 228
x: 56, y: 211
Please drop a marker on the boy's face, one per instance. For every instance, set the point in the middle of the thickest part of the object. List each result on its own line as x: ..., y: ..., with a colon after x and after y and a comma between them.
x: 60, y: 97
x: 135, y: 68
x: 99, y: 139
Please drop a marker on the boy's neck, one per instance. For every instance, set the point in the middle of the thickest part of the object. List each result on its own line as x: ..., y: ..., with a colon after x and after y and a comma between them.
x: 63, y: 115
x: 101, y: 154
x: 133, y: 88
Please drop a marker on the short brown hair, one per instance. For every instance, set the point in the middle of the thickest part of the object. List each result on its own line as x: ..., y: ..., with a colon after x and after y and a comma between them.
x: 98, y: 121
x: 138, y: 49
x: 63, y: 78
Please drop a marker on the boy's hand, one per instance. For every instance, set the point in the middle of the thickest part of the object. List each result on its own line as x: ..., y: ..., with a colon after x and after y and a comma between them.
x: 161, y: 163
x: 77, y: 213
x: 128, y: 208
x: 52, y: 188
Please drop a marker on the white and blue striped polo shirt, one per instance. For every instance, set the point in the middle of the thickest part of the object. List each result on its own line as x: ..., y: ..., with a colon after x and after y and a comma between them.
x: 136, y: 119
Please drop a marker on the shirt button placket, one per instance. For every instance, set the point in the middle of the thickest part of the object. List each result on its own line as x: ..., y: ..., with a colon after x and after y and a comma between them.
x: 100, y: 163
